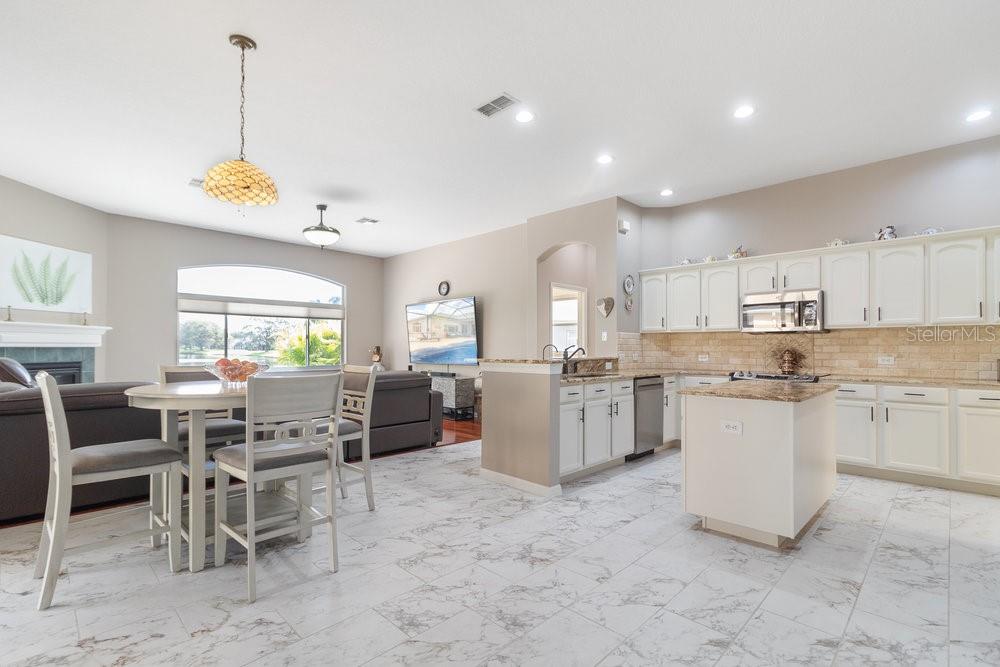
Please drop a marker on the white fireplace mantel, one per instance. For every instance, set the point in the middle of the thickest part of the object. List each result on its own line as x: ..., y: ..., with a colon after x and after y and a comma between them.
x: 45, y: 334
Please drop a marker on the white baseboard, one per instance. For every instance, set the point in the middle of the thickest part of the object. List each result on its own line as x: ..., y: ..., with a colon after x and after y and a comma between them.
x: 521, y: 484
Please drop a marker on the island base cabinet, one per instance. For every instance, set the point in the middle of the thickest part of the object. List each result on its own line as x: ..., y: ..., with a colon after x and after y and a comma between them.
x: 596, y: 431
x: 916, y: 438
x: 570, y: 437
x: 979, y: 444
x: 856, y: 432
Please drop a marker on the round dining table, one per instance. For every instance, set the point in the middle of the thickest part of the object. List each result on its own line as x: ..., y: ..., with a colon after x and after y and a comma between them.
x: 195, y: 398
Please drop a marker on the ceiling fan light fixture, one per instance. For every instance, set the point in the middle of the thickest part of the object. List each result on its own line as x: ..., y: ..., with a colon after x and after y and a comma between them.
x: 238, y: 181
x: 321, y: 234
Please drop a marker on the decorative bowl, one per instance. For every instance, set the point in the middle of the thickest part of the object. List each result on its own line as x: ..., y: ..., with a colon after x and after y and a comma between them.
x: 234, y: 373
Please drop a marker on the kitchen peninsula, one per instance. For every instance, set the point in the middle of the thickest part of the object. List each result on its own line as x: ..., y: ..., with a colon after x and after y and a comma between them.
x: 759, y: 457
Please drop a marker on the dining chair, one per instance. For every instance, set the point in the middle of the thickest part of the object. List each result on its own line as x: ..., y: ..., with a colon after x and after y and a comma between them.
x: 221, y: 427
x: 359, y: 392
x: 283, y: 441
x: 99, y: 463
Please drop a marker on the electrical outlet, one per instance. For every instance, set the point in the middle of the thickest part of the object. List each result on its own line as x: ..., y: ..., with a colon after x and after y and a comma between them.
x: 886, y: 360
x: 731, y: 427
x: 703, y: 358
x: 635, y: 356
x: 604, y: 336
x: 608, y: 365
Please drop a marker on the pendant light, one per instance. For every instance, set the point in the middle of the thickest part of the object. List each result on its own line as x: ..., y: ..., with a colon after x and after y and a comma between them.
x: 238, y: 181
x: 320, y: 234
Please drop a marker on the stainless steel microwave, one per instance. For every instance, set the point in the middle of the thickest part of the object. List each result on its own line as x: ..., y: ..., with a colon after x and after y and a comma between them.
x: 783, y: 312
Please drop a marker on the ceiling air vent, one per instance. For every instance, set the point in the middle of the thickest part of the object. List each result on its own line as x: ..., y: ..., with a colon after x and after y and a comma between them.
x: 496, y: 106
x: 366, y: 221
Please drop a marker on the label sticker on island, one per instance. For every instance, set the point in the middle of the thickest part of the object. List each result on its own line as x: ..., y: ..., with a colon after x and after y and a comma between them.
x: 731, y: 427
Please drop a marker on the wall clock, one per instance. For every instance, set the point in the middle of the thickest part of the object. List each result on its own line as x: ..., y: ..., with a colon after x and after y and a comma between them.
x: 628, y: 284
x: 444, y: 287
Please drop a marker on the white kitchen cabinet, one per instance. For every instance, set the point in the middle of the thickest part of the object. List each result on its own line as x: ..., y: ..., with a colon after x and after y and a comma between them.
x: 570, y: 437
x: 979, y: 444
x: 758, y: 277
x: 596, y: 430
x: 671, y: 416
x: 898, y: 285
x: 799, y: 272
x: 995, y: 297
x: 856, y: 432
x: 684, y: 300
x: 720, y: 298
x: 957, y: 281
x: 622, y: 426
x: 653, y: 302
x: 915, y: 437
x: 845, y: 289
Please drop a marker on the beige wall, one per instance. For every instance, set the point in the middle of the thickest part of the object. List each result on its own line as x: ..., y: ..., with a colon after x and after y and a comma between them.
x: 142, y: 287
x: 32, y: 214
x: 629, y: 257
x: 954, y: 187
x: 573, y: 264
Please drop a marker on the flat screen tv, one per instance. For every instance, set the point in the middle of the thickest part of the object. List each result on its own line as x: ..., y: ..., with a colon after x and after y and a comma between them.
x: 443, y: 332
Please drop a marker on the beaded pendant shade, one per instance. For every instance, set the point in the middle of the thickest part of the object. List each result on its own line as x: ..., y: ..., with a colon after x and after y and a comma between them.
x: 238, y: 181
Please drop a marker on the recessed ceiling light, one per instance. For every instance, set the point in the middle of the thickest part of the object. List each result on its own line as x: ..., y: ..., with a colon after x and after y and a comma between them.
x: 979, y: 114
x: 666, y: 192
x: 743, y: 111
x: 524, y: 116
x: 604, y: 158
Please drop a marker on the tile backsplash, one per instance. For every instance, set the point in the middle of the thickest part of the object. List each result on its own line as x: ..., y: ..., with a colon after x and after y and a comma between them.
x: 941, y: 353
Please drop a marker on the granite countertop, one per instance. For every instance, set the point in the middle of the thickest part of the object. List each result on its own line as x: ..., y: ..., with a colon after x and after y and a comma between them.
x: 520, y: 361
x: 911, y: 382
x: 763, y: 390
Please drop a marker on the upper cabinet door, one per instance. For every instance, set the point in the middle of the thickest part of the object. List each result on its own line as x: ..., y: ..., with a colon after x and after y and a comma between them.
x: 799, y: 273
x: 653, y: 302
x: 845, y: 289
x: 995, y: 299
x: 720, y: 298
x: 958, y: 280
x: 758, y: 277
x: 684, y: 301
x: 899, y: 285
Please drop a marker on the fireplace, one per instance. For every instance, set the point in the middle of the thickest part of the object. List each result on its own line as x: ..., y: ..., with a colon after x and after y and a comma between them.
x: 64, y: 372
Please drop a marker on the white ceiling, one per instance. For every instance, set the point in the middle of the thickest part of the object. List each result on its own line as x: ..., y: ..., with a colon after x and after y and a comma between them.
x: 368, y: 105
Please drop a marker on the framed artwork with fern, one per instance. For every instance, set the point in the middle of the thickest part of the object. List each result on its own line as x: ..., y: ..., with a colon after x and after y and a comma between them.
x: 38, y: 276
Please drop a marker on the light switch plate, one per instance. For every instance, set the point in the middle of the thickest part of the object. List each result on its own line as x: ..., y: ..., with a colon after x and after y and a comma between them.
x: 731, y: 427
x: 703, y: 358
x: 886, y: 360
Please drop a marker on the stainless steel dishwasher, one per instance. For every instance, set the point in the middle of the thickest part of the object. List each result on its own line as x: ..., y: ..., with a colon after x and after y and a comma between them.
x: 648, y: 415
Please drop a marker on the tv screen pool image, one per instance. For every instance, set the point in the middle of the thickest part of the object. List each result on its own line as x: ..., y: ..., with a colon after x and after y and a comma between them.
x: 443, y: 332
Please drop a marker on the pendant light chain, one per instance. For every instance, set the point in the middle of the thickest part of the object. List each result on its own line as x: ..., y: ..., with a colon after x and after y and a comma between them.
x: 243, y: 99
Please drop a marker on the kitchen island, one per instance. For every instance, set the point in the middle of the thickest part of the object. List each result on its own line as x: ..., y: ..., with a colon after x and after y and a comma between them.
x: 759, y: 457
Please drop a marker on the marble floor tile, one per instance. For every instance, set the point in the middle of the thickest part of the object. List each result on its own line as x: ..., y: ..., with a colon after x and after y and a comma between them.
x: 627, y: 600
x: 466, y: 639
x: 719, y: 599
x: 769, y: 639
x: 685, y: 555
x: 523, y: 606
x: 350, y: 643
x: 669, y: 639
x: 565, y: 639
x: 603, y: 559
x: 813, y: 597
x: 872, y: 639
x: 524, y: 559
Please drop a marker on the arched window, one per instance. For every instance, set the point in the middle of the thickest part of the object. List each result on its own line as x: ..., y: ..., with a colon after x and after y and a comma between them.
x: 281, y: 317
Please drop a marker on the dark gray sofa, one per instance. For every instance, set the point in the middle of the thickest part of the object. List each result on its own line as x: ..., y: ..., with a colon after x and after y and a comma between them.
x: 406, y: 412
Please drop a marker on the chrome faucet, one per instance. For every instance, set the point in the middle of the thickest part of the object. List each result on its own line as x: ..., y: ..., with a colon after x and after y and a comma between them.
x: 567, y: 356
x: 548, y: 345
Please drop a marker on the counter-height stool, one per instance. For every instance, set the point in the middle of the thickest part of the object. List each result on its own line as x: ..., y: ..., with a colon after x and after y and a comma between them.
x: 99, y: 463
x: 283, y: 441
x: 359, y: 391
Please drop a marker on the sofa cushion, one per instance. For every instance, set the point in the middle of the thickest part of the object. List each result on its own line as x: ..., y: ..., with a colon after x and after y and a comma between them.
x: 389, y: 380
x: 88, y: 396
x: 122, y: 456
x: 236, y: 456
x: 10, y: 386
x: 13, y: 371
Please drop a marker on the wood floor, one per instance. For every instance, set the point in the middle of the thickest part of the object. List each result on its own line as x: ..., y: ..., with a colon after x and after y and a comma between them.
x: 453, y: 432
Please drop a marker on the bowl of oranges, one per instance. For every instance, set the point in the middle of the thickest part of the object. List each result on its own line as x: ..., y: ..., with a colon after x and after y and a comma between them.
x: 234, y: 373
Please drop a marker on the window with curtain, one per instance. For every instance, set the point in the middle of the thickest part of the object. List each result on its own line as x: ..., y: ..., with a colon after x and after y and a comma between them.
x: 284, y: 318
